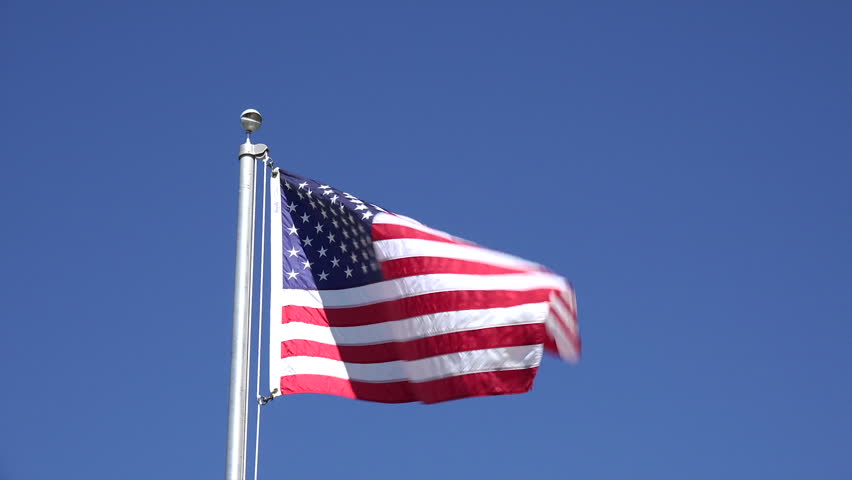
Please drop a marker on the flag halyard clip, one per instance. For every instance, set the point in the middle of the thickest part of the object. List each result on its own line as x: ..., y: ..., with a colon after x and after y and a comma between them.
x: 261, y: 400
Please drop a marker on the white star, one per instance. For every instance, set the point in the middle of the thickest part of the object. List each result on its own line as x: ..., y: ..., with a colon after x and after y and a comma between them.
x: 343, y: 247
x: 323, y: 275
x: 303, y: 185
x: 307, y: 241
x: 363, y: 268
x: 345, y: 234
x: 307, y: 264
x: 318, y: 227
x: 354, y: 257
x: 324, y: 187
x: 326, y: 192
x: 312, y: 203
x: 363, y: 242
x: 335, y: 262
x: 287, y: 186
x: 367, y: 215
x: 300, y: 195
x: 291, y: 206
x: 334, y: 199
x: 324, y: 214
x: 348, y: 272
x: 308, y: 192
x: 374, y: 266
x: 305, y: 217
x: 292, y: 275
x: 361, y: 207
x: 365, y: 254
x: 330, y: 238
x: 322, y: 251
x: 335, y: 223
x: 293, y: 252
x: 292, y: 230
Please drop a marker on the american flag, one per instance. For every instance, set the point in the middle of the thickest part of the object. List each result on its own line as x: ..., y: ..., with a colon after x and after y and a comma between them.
x: 373, y: 305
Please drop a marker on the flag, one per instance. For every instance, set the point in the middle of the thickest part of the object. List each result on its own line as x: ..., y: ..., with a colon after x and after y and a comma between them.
x: 373, y: 305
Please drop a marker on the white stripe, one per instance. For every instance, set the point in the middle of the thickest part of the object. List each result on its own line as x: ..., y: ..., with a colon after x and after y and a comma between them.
x: 563, y: 345
x: 389, y: 219
x: 415, y: 327
x: 570, y: 299
x: 569, y: 321
x: 435, y: 249
x: 417, y: 247
x: 422, y: 370
x: 419, y: 285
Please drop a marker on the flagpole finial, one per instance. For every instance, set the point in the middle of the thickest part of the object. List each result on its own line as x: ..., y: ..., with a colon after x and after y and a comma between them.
x: 251, y: 120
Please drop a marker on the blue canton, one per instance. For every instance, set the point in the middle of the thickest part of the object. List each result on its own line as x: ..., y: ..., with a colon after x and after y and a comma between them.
x: 326, y: 236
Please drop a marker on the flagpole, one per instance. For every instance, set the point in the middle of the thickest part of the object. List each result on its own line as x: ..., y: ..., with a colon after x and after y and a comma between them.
x: 235, y: 459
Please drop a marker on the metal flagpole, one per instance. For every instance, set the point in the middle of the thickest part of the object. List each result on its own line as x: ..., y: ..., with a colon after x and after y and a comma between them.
x: 235, y: 460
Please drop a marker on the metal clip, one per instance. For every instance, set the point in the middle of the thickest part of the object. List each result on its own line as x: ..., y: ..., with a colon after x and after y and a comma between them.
x: 261, y: 400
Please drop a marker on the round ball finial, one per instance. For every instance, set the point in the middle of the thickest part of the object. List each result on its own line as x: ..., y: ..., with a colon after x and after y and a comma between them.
x: 251, y: 120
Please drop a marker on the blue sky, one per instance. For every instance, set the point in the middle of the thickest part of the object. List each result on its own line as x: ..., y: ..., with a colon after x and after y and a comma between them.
x: 688, y: 165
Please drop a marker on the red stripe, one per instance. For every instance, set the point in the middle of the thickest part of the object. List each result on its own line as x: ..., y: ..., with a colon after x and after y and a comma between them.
x: 550, y: 345
x: 450, y: 388
x: 389, y: 231
x: 572, y: 337
x: 567, y: 306
x: 406, y: 267
x: 408, y: 307
x: 496, y: 337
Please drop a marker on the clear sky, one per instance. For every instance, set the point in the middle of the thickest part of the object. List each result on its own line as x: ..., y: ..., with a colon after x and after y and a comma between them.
x: 688, y: 165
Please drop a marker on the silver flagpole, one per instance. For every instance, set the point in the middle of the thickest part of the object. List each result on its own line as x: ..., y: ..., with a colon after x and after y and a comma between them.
x: 235, y: 460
